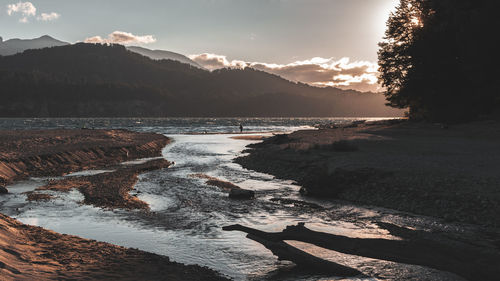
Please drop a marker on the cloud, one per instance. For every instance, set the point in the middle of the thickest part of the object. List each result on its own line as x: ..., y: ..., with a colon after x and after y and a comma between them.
x: 213, y: 61
x: 322, y: 72
x: 25, y: 8
x: 48, y: 17
x: 121, y: 37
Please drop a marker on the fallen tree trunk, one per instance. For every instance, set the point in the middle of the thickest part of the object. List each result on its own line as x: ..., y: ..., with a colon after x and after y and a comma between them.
x: 465, y: 260
x: 286, y: 252
x: 303, y: 259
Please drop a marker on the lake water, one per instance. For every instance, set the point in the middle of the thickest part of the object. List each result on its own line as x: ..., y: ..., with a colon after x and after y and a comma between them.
x: 187, y: 215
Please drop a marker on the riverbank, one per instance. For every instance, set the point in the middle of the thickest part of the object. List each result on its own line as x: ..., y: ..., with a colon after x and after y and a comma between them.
x: 109, y: 189
x: 433, y: 170
x: 28, y: 252
x: 26, y: 153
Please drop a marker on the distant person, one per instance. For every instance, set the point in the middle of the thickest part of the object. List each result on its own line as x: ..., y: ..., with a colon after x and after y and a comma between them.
x: 241, y: 128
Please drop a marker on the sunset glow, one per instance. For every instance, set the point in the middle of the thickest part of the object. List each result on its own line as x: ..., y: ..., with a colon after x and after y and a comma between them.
x: 322, y: 37
x: 245, y: 140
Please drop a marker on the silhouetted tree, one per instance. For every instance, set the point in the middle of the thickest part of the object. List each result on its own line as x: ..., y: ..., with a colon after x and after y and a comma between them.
x: 436, y: 59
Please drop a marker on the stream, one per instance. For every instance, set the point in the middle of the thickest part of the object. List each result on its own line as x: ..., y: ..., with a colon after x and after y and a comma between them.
x: 187, y: 215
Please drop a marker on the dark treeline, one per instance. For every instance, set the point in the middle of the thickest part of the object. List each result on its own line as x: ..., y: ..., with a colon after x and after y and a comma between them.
x: 109, y: 81
x: 438, y: 59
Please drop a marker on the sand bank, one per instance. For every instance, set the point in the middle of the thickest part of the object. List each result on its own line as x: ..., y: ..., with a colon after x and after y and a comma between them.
x: 250, y: 137
x: 58, y: 152
x: 33, y: 253
x: 106, y: 190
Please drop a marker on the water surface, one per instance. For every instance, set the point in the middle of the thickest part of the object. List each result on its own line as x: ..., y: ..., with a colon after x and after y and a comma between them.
x: 187, y: 215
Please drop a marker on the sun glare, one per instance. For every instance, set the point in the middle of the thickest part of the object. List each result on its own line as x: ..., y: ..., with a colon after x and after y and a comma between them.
x: 383, y: 15
x: 416, y: 22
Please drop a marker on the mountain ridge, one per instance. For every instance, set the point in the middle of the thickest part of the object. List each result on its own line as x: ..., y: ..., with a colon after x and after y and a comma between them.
x: 17, y: 45
x: 92, y: 80
x: 163, y: 55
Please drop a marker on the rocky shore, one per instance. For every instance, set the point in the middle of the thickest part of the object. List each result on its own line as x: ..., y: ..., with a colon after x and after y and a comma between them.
x: 34, y: 253
x: 427, y: 169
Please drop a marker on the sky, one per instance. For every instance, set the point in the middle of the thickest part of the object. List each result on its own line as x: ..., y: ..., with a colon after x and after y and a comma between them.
x: 320, y: 42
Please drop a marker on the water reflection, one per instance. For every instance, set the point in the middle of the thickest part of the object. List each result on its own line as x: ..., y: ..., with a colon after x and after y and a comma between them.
x: 187, y: 216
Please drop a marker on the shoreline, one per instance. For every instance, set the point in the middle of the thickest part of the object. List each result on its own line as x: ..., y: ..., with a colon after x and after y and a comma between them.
x: 59, y: 152
x: 448, y: 173
x: 105, y: 190
x: 30, y: 252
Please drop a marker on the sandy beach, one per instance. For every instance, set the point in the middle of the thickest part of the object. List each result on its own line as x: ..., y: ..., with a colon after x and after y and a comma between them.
x: 33, y: 253
x: 429, y: 169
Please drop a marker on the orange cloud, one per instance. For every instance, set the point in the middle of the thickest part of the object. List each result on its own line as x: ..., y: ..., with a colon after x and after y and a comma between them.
x: 121, y: 37
x: 322, y: 72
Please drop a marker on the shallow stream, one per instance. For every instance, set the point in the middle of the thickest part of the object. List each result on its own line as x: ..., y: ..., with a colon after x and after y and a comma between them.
x: 187, y: 215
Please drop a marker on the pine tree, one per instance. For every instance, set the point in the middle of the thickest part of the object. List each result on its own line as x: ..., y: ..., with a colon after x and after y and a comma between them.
x: 435, y: 60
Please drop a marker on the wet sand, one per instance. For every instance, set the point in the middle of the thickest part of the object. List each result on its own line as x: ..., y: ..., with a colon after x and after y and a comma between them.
x: 33, y: 253
x: 106, y: 190
x: 251, y: 137
x: 26, y: 153
x: 230, y: 133
x: 224, y: 185
x: 449, y: 173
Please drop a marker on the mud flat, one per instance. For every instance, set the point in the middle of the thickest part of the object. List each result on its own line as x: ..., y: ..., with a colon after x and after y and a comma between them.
x: 106, y: 190
x: 58, y: 152
x: 429, y: 169
x: 33, y: 253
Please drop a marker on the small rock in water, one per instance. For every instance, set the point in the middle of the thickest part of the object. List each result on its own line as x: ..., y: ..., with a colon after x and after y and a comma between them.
x: 3, y: 190
x: 238, y: 193
x: 303, y: 190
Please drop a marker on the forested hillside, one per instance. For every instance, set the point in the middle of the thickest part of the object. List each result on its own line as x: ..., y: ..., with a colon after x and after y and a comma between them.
x: 102, y: 80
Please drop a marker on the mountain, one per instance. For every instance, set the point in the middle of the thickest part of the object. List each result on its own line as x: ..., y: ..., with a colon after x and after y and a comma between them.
x: 163, y: 55
x: 89, y: 80
x: 14, y: 46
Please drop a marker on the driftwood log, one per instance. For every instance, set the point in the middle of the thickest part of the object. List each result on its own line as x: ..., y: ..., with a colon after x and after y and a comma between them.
x: 301, y: 258
x: 416, y: 247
